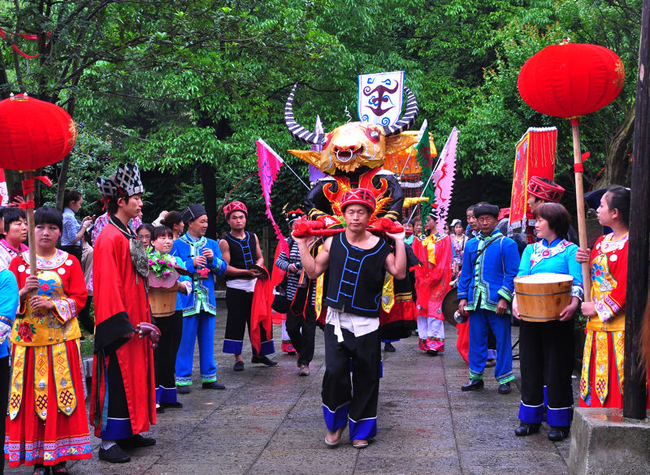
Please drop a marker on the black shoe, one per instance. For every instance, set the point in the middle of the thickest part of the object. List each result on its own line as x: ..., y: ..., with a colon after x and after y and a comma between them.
x: 526, y: 429
x: 114, y: 455
x: 41, y: 470
x: 213, y: 385
x: 160, y: 410
x: 504, y: 388
x: 432, y: 352
x: 388, y: 347
x: 238, y: 366
x: 173, y: 405
x: 183, y: 389
x: 472, y: 385
x: 264, y: 360
x: 135, y: 442
x: 558, y: 433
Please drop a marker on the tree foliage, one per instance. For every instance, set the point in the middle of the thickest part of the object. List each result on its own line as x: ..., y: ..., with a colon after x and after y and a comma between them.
x: 185, y: 87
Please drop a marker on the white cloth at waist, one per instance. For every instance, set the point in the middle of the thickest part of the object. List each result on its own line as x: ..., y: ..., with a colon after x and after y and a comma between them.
x: 355, y: 324
x: 247, y: 285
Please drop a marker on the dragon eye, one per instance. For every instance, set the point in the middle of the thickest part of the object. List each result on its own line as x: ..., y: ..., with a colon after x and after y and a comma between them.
x: 373, y: 135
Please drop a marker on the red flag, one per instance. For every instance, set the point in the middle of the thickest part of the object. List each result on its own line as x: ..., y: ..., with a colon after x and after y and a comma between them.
x: 534, y: 156
x: 269, y: 163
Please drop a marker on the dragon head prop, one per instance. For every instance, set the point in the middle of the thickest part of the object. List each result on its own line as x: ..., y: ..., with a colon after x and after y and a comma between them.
x: 355, y: 144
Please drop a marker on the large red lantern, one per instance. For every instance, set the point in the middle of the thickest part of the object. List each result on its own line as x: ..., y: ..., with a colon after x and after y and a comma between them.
x: 571, y: 80
x: 33, y: 133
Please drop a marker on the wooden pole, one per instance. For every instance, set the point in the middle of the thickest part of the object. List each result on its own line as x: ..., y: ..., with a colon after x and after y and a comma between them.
x: 634, y: 392
x: 580, y: 204
x: 31, y: 235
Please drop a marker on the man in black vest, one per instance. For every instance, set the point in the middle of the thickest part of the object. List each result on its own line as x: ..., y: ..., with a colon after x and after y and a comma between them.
x: 356, y: 261
x: 241, y: 251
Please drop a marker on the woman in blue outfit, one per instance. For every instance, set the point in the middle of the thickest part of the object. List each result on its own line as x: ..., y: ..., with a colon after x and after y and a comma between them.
x: 547, y: 347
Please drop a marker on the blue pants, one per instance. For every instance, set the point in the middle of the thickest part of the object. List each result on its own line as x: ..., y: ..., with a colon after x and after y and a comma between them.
x: 480, y: 321
x: 201, y: 326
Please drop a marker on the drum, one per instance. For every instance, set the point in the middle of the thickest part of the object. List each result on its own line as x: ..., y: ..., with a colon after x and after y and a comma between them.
x: 163, y: 301
x: 450, y: 305
x: 541, y: 297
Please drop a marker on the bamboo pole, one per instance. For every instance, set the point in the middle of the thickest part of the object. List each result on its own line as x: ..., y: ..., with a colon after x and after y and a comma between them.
x: 580, y: 204
x: 31, y: 234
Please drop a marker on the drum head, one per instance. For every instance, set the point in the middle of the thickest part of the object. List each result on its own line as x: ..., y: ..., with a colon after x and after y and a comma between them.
x: 450, y: 305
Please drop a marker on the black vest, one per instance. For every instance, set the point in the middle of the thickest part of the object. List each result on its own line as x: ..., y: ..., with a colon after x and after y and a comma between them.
x: 356, y: 277
x: 241, y: 252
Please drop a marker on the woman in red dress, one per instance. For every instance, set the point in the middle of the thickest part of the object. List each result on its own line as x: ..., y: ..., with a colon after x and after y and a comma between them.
x: 601, y: 381
x: 47, y: 423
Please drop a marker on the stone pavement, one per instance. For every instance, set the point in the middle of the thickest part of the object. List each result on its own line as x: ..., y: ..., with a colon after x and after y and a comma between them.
x: 269, y: 421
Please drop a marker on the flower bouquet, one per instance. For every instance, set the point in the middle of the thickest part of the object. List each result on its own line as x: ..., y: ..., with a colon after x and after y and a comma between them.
x: 162, y: 270
x: 163, y: 286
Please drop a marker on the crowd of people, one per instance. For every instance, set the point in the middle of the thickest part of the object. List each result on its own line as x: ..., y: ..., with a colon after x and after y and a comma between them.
x: 143, y: 353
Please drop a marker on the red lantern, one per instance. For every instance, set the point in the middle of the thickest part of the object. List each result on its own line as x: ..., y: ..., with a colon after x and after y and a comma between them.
x: 33, y: 133
x: 571, y: 80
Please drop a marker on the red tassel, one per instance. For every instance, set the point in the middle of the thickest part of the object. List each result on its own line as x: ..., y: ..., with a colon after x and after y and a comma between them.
x: 44, y: 179
x: 28, y: 186
x: 27, y: 205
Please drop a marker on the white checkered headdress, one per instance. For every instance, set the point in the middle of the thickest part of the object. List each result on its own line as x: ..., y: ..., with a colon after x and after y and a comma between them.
x: 126, y: 181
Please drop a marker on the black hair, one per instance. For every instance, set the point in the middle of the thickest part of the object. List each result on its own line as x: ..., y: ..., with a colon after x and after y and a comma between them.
x: 558, y: 218
x: 160, y: 231
x: 48, y: 215
x: 470, y: 208
x: 172, y: 218
x: 12, y: 214
x: 111, y: 204
x: 69, y: 196
x: 618, y: 197
x: 146, y: 226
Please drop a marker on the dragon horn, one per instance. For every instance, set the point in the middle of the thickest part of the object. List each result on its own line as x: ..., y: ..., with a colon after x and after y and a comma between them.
x: 412, y: 111
x: 295, y: 129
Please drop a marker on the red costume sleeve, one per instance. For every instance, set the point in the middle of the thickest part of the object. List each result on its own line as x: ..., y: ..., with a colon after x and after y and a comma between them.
x: 619, y: 271
x: 115, y: 279
x: 76, y: 293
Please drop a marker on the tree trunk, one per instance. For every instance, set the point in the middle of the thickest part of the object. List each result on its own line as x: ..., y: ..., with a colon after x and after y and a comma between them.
x: 209, y: 183
x: 65, y: 165
x: 617, y: 162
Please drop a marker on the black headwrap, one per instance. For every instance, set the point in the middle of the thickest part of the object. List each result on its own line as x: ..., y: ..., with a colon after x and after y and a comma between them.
x: 192, y: 212
x: 492, y: 210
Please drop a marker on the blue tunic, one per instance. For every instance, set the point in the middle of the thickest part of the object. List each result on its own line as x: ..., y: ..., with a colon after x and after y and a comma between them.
x: 558, y: 257
x: 186, y: 248
x: 488, y: 275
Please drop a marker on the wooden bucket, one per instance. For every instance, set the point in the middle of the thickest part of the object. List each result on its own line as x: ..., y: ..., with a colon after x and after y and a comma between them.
x: 541, y: 297
x: 163, y: 301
